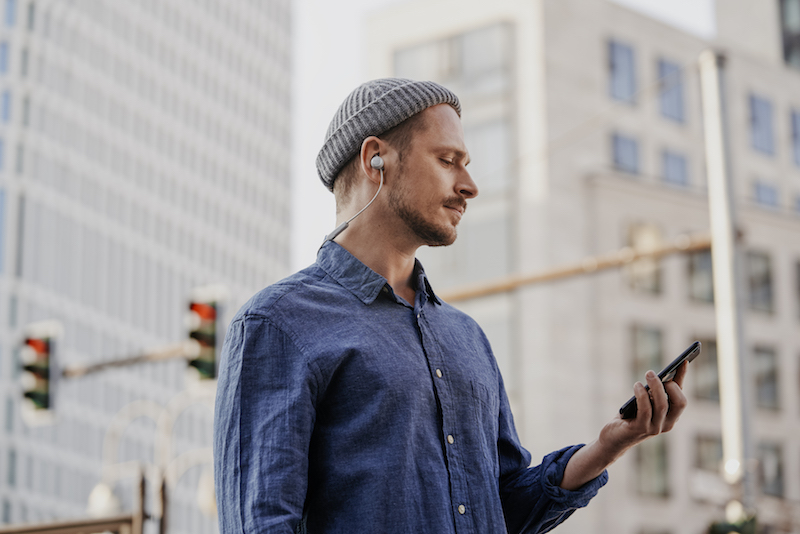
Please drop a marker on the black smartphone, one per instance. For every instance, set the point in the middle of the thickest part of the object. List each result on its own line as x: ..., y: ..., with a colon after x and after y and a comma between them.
x: 628, y: 410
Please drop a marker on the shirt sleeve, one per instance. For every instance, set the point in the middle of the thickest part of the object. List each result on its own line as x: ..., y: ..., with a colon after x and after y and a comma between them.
x: 532, y: 500
x: 264, y: 416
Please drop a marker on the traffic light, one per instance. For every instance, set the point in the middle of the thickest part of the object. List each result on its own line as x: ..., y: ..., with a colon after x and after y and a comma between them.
x: 203, y: 329
x: 747, y: 526
x: 35, y: 357
x: 38, y: 365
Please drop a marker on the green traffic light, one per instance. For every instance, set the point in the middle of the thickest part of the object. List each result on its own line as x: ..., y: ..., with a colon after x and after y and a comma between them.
x: 39, y: 399
x: 206, y: 368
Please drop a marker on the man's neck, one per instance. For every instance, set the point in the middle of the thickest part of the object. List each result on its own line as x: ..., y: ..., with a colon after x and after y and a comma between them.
x: 389, y: 258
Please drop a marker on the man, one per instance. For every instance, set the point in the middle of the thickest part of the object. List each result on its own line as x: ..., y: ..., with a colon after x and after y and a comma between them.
x: 351, y: 399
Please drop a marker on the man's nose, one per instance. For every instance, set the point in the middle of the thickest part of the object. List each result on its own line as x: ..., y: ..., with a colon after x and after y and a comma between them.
x: 466, y: 186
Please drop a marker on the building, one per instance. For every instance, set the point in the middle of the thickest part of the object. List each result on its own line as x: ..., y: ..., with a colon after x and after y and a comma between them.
x: 143, y: 152
x: 583, y: 119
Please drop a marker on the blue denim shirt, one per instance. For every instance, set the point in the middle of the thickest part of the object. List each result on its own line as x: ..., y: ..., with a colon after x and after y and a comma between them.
x: 343, y: 409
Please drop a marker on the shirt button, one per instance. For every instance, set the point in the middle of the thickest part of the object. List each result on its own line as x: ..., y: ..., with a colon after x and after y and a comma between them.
x: 439, y: 373
x: 462, y: 509
x: 450, y: 439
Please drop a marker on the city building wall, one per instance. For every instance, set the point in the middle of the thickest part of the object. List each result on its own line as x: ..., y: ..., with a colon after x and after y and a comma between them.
x: 569, y: 349
x: 143, y: 152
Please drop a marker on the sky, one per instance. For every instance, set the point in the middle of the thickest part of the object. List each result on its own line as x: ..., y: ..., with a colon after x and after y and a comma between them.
x: 328, y: 40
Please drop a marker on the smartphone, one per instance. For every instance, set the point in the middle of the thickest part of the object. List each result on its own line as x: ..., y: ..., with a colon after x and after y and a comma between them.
x: 628, y: 410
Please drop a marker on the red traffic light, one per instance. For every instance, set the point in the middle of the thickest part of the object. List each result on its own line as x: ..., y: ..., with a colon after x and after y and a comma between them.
x: 207, y: 312
x: 40, y: 346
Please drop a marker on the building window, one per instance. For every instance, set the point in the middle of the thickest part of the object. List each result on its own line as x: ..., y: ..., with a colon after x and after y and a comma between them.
x: 625, y: 153
x: 20, y: 158
x: 644, y: 275
x: 26, y: 111
x: 647, y: 353
x: 23, y: 63
x: 11, y: 12
x: 796, y: 270
x: 652, y: 468
x: 478, y: 61
x: 761, y: 135
x: 2, y: 226
x: 770, y: 463
x: 3, y: 57
x: 759, y: 282
x: 490, y: 142
x: 795, y: 118
x: 622, y: 72
x: 765, y: 194
x: 766, y: 374
x: 5, y: 106
x: 706, y: 372
x: 790, y: 22
x: 11, y: 469
x: 708, y: 453
x: 701, y: 276
x: 10, y: 416
x: 674, y: 169
x: 31, y: 15
x: 671, y: 98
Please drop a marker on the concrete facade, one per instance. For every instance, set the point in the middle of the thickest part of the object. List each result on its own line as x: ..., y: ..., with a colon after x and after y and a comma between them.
x: 568, y: 349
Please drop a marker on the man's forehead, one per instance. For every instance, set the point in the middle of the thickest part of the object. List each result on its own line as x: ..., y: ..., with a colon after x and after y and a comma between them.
x: 443, y: 130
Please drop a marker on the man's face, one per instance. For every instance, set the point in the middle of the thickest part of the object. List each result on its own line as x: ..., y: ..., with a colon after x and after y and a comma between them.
x: 432, y: 185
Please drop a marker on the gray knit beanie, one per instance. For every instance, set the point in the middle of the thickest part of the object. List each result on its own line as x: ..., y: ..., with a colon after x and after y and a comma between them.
x: 372, y: 109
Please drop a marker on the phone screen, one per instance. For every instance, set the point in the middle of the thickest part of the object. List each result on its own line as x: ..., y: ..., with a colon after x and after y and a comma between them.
x: 628, y: 410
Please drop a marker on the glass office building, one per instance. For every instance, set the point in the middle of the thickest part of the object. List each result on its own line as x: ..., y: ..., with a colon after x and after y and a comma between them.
x: 143, y: 152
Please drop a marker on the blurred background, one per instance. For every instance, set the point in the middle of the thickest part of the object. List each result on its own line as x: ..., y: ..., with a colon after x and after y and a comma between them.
x: 157, y: 169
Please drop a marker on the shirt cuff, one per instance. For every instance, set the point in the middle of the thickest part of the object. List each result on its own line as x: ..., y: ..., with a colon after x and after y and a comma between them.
x: 553, y: 467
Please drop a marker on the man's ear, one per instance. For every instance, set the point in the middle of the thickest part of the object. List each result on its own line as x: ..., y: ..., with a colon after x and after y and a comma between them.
x: 370, y: 148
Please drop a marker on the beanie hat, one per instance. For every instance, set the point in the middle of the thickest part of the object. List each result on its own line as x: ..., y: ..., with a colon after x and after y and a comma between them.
x: 372, y: 109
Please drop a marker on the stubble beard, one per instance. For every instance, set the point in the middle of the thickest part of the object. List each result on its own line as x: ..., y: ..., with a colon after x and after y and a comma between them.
x: 431, y: 234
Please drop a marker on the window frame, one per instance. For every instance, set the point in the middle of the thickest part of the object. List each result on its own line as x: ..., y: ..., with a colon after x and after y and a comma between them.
x: 622, y: 86
x: 672, y: 101
x: 762, y: 124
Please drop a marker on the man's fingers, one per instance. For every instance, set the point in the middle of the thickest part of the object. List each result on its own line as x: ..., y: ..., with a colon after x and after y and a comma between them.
x: 644, y: 411
x: 680, y: 375
x: 677, y: 403
x: 660, y: 401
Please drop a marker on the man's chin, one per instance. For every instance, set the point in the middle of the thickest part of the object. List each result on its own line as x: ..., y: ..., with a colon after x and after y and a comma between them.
x: 444, y: 241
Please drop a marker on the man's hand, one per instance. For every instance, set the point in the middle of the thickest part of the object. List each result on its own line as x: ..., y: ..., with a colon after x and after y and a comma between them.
x: 657, y: 411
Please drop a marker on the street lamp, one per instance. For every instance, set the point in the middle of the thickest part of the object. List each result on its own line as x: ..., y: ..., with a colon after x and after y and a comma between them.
x: 165, y: 471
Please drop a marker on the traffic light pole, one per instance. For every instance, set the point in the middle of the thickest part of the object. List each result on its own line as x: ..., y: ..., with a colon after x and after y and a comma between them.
x: 592, y: 264
x: 183, y: 350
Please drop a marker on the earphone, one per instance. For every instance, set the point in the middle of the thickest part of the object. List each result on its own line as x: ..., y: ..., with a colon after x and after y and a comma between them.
x: 376, y: 163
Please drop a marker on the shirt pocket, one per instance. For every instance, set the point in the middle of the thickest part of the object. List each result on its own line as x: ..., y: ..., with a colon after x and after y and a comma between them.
x: 485, y: 407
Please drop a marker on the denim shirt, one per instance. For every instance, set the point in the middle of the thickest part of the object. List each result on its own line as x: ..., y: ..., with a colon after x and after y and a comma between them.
x: 341, y: 408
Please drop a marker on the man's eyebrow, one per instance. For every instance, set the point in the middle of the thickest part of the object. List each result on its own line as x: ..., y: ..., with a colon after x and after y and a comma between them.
x: 457, y: 153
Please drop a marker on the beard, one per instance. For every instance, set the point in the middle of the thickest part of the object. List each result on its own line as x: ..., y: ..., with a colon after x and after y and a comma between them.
x: 431, y: 234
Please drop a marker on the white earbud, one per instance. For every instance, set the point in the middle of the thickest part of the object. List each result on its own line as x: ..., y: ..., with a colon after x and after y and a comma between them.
x: 376, y: 162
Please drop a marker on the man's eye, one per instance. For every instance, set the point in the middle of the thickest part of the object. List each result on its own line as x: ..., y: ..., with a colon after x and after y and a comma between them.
x: 446, y: 161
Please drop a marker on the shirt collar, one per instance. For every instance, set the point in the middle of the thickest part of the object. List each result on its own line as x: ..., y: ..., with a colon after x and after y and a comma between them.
x: 359, y: 279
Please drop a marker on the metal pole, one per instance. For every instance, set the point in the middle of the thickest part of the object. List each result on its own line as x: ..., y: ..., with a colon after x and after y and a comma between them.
x: 184, y: 349
x: 733, y: 405
x: 589, y: 265
x: 162, y: 523
x: 137, y: 526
